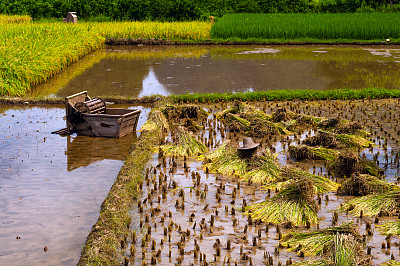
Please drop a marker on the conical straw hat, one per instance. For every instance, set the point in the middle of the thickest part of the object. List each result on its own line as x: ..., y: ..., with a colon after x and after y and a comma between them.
x: 248, y: 144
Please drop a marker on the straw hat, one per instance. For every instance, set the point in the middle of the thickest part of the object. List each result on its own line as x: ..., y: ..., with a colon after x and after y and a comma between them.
x: 248, y: 144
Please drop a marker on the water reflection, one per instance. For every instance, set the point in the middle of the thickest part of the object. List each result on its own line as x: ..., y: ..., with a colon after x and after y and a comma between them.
x: 83, y: 151
x: 51, y: 186
x: 141, y: 71
x: 151, y: 85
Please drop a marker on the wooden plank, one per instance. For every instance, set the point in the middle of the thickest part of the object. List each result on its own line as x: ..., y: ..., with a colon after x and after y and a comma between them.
x: 63, y: 131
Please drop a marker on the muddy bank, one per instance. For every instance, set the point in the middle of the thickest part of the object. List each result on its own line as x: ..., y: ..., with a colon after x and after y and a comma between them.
x: 140, y: 41
x: 109, y: 234
x: 59, y: 101
x: 271, y: 95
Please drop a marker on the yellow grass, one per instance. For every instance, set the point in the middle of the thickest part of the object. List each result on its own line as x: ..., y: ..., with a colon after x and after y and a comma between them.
x: 30, y: 53
x: 14, y: 18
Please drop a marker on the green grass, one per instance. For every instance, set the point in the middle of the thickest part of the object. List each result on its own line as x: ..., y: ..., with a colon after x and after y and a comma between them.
x: 348, y: 26
x: 287, y: 95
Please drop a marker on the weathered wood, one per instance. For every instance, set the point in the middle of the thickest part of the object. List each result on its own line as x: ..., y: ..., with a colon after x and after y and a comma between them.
x: 93, y: 106
x: 91, y: 117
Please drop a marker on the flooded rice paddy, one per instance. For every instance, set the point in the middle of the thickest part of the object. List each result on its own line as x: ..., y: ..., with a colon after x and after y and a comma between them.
x: 51, y: 186
x: 191, y: 217
x: 143, y: 70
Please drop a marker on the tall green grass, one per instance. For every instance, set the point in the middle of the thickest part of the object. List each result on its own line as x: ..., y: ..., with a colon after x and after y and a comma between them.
x: 350, y: 26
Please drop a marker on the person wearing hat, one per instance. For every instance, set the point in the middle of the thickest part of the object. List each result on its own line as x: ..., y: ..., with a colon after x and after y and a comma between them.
x: 248, y: 148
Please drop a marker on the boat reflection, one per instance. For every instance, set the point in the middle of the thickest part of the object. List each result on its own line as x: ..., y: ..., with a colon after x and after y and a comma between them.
x: 82, y: 150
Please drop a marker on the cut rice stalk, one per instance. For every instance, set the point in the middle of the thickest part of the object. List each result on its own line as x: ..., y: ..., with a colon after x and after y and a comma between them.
x: 362, y: 184
x: 375, y: 204
x: 225, y: 160
x: 250, y: 112
x: 332, y: 140
x: 391, y: 263
x: 156, y: 119
x: 236, y: 124
x: 294, y: 204
x: 266, y: 169
x: 390, y: 228
x: 316, y: 242
x: 316, y: 153
x: 184, y: 145
x: 291, y: 174
x: 353, y: 141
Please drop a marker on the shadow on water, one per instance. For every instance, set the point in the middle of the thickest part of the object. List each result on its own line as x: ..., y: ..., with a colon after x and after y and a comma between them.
x: 51, y: 186
x: 141, y: 71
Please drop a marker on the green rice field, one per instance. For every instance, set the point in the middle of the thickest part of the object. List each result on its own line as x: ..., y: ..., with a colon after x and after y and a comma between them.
x: 343, y: 27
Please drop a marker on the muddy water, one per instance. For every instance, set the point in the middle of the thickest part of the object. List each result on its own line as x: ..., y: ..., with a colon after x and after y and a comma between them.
x: 51, y: 186
x: 166, y: 221
x: 141, y: 71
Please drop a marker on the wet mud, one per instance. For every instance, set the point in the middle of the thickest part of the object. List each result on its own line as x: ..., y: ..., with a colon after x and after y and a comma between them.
x: 190, y: 217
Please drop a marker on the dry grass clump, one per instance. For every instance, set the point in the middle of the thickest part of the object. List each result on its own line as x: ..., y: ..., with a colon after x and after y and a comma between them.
x: 185, y: 115
x: 390, y: 228
x: 362, y: 184
x: 282, y: 114
x: 348, y: 163
x: 337, y: 141
x: 183, y: 144
x: 387, y: 203
x: 264, y: 168
x: 318, y: 242
x: 225, y: 160
x: 294, y: 204
x: 306, y: 152
x: 247, y: 119
x: 324, y: 139
x: 292, y: 174
x: 348, y: 128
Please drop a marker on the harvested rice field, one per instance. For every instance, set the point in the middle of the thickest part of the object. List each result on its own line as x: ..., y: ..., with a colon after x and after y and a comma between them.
x: 321, y: 188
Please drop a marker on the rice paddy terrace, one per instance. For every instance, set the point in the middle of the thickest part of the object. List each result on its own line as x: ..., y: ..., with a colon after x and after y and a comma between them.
x: 322, y: 187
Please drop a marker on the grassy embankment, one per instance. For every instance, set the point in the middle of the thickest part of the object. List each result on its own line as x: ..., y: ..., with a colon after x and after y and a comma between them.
x: 284, y: 95
x: 308, y: 28
x: 112, y: 229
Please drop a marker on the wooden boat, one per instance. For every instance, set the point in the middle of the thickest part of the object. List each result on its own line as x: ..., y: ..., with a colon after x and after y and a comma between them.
x: 91, y: 117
